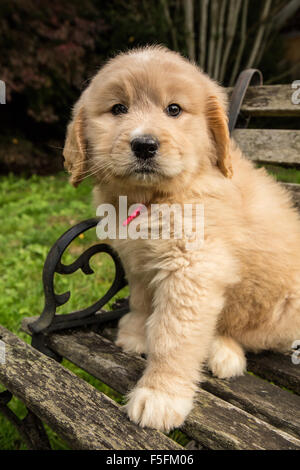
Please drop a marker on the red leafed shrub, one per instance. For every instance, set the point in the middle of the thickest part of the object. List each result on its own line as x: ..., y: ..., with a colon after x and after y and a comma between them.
x: 47, y: 52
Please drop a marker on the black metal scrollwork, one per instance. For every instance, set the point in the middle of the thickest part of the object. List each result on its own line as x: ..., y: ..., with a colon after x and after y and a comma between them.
x: 49, y: 321
x: 30, y: 428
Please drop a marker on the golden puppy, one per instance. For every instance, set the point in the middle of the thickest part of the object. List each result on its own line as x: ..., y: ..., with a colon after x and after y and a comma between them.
x: 151, y: 126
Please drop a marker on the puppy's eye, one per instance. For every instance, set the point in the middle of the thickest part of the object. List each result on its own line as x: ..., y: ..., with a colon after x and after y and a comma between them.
x: 119, y: 109
x: 173, y: 110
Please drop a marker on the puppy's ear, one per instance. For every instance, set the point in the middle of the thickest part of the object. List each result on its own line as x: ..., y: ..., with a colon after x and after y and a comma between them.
x: 75, y: 148
x: 218, y: 125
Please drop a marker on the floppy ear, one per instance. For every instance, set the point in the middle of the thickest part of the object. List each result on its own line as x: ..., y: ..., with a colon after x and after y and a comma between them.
x: 75, y: 148
x: 218, y: 125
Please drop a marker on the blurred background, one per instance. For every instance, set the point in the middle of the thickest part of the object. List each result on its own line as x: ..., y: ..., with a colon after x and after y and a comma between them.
x: 49, y: 50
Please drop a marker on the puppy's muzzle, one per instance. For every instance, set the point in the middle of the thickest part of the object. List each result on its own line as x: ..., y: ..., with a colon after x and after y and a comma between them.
x: 144, y: 146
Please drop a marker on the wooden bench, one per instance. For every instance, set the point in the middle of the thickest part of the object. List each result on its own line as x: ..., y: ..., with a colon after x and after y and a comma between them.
x: 260, y: 410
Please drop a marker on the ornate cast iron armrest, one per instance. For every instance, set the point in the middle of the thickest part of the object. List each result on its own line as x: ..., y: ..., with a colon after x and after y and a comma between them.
x: 49, y: 321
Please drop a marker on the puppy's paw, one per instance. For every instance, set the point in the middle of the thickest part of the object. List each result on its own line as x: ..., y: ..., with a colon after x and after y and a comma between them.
x: 131, y: 343
x: 156, y: 409
x: 227, y: 358
x: 131, y: 334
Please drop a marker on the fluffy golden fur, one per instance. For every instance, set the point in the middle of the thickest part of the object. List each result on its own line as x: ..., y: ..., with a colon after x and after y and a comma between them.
x: 237, y: 292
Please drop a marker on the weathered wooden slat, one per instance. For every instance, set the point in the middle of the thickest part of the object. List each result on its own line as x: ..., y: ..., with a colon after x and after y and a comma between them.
x: 97, y: 355
x: 260, y: 398
x: 83, y: 416
x: 218, y: 424
x: 269, y: 100
x: 213, y: 422
x: 275, y: 146
x: 277, y: 368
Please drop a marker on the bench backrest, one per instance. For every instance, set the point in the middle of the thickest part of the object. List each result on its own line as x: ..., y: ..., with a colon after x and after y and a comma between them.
x: 272, y: 146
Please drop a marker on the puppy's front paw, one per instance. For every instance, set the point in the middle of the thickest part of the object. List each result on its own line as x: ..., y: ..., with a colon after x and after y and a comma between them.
x: 156, y: 409
x: 227, y: 358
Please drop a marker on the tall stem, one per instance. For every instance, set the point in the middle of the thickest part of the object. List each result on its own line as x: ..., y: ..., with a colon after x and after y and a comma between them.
x: 189, y: 27
x: 203, y: 33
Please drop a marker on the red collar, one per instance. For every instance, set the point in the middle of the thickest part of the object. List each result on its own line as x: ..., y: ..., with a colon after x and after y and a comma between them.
x: 132, y: 216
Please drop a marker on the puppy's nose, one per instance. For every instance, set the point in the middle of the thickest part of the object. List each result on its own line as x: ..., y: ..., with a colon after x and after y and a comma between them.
x: 144, y: 146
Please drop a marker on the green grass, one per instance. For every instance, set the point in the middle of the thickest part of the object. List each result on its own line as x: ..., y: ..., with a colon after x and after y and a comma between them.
x: 34, y: 212
x: 284, y: 174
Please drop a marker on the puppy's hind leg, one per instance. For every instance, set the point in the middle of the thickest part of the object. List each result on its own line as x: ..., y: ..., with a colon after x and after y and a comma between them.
x: 226, y: 358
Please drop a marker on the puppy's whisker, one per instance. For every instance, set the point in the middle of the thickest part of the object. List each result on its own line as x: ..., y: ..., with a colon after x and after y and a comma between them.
x: 92, y: 172
x: 93, y: 164
x: 74, y: 151
x: 86, y: 170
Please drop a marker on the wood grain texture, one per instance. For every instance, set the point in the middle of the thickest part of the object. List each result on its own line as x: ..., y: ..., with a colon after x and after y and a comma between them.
x: 213, y: 422
x: 275, y: 146
x: 261, y: 399
x: 80, y: 414
x: 277, y: 368
x: 269, y: 100
x: 217, y: 424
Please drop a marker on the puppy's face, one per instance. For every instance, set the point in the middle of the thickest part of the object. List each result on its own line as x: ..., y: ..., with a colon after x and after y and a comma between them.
x: 148, y: 117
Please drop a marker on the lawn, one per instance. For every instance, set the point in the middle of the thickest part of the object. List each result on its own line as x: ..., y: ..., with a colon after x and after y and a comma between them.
x: 34, y: 212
